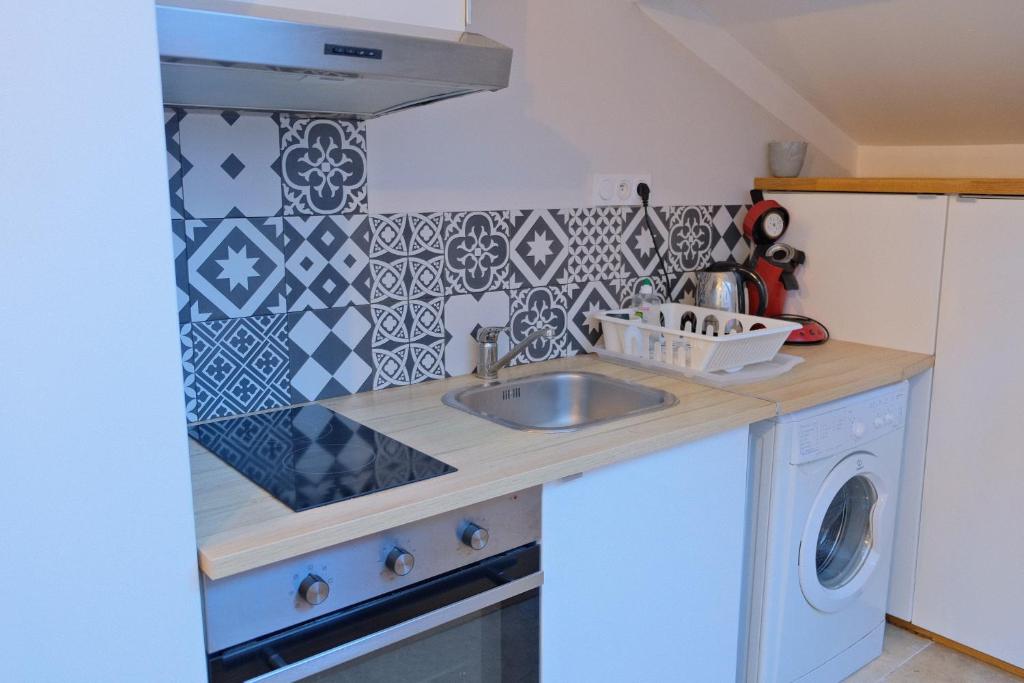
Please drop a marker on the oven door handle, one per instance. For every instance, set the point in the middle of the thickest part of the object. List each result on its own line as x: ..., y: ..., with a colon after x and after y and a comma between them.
x: 399, y: 632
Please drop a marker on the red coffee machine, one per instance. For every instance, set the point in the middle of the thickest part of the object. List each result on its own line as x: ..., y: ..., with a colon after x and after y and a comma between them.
x: 766, y: 222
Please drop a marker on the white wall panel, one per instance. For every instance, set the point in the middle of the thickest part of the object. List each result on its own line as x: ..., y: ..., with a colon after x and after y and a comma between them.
x: 874, y: 263
x: 99, y: 579
x: 972, y: 547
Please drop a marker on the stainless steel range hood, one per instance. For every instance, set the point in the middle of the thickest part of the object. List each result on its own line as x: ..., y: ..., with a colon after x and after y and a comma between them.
x: 235, y: 55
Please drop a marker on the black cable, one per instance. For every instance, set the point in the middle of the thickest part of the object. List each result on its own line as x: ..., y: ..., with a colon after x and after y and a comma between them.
x: 644, y: 192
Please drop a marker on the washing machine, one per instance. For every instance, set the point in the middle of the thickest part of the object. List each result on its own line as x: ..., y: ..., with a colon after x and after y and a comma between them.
x: 823, y: 512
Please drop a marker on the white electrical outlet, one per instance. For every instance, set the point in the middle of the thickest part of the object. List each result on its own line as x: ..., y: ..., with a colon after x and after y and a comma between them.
x: 618, y: 189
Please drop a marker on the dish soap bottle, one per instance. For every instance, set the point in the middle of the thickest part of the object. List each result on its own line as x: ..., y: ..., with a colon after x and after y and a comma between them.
x: 648, y: 303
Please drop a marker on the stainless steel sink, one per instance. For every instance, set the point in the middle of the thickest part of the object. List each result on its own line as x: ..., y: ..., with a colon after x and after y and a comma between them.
x: 558, y: 401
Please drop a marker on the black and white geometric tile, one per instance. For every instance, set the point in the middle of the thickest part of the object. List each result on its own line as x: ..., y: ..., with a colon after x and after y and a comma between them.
x: 326, y: 261
x: 476, y: 251
x: 425, y: 240
x: 176, y: 169
x: 188, y: 371
x: 691, y: 236
x: 180, y: 248
x: 730, y: 244
x: 584, y: 301
x: 274, y: 250
x: 594, y: 243
x: 240, y: 364
x: 638, y: 245
x: 230, y: 163
x: 323, y: 165
x: 534, y: 308
x: 330, y: 352
x: 390, y: 323
x: 390, y: 344
x: 538, y: 250
x: 235, y: 267
x: 684, y: 287
x: 426, y: 339
x: 464, y: 314
x: 389, y: 257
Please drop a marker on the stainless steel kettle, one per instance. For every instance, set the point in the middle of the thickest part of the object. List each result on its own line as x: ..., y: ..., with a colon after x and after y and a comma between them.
x: 722, y: 286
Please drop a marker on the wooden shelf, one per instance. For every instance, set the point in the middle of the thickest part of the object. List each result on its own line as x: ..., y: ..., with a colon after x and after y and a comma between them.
x: 987, y: 186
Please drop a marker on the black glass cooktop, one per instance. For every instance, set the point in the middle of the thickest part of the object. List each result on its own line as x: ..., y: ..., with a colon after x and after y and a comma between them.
x: 311, y: 456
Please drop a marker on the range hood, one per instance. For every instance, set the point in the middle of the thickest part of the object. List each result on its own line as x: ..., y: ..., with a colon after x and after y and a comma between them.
x: 238, y: 55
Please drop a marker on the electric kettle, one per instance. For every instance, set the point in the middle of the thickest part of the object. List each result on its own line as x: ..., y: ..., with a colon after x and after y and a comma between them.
x: 722, y: 287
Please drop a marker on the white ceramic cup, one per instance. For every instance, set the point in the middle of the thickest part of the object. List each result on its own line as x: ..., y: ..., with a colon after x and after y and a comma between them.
x: 785, y: 159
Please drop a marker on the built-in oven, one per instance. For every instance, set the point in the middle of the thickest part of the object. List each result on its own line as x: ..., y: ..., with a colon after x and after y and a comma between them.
x: 452, y: 598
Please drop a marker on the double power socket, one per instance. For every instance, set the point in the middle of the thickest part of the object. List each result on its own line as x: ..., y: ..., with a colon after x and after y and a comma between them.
x: 618, y: 189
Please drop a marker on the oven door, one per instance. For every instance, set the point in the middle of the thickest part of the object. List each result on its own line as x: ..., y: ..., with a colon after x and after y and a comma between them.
x: 478, y: 623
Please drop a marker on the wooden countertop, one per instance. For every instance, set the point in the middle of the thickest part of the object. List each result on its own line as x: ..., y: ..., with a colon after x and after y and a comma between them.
x: 241, y: 527
x: 986, y: 186
x: 835, y: 370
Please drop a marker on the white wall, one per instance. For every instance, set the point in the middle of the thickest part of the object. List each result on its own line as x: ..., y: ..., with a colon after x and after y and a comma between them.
x: 984, y: 161
x: 691, y: 25
x: 596, y: 87
x: 99, y: 578
x: 892, y: 72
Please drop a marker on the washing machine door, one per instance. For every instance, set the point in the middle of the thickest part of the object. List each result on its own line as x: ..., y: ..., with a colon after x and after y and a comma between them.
x: 839, y: 552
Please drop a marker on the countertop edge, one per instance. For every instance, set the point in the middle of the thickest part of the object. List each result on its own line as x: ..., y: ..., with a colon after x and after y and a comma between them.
x: 217, y: 565
x: 227, y: 553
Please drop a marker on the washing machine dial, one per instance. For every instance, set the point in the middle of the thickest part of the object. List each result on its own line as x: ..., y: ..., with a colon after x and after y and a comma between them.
x: 889, y: 418
x: 858, y: 429
x: 879, y: 422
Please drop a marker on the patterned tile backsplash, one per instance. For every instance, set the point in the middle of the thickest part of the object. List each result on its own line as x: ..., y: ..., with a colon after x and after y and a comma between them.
x: 290, y: 291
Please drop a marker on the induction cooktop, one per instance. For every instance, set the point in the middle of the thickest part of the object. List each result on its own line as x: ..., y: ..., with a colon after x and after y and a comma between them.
x: 311, y: 456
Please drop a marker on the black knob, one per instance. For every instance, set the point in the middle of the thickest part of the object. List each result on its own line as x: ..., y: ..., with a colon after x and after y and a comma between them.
x: 314, y: 590
x: 476, y: 537
x: 399, y: 561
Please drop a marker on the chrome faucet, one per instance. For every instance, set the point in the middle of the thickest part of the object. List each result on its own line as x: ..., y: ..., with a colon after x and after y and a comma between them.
x: 488, y: 363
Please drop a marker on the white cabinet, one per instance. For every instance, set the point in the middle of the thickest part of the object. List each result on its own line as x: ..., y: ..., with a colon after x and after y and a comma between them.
x: 971, y: 555
x: 446, y: 14
x: 874, y: 262
x: 873, y: 271
x: 643, y: 564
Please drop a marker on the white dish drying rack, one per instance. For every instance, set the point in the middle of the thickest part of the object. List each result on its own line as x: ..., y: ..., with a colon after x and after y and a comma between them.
x: 693, y: 339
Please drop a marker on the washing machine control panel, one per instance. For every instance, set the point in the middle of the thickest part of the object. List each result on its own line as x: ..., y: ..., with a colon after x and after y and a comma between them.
x: 845, y: 428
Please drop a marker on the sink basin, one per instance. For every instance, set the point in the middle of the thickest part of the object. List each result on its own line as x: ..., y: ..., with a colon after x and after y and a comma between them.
x: 558, y: 401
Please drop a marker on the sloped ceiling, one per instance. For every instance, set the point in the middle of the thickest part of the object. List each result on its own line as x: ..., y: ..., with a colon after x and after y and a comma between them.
x: 890, y: 72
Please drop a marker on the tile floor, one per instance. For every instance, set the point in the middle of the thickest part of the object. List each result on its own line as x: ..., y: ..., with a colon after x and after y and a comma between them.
x: 909, y: 658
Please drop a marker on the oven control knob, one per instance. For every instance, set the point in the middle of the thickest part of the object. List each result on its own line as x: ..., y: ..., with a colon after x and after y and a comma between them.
x: 476, y: 537
x: 399, y: 561
x: 314, y: 590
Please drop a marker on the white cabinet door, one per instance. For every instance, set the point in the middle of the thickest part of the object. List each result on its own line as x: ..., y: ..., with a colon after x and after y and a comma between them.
x: 447, y: 14
x: 874, y: 264
x: 643, y: 564
x: 971, y: 555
